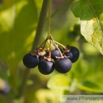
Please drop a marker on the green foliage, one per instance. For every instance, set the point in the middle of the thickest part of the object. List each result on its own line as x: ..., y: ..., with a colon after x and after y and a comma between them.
x: 18, y: 23
x: 83, y: 75
x: 17, y: 27
x: 90, y: 86
x: 15, y: 36
x: 45, y: 96
x: 59, y: 84
x: 90, y: 13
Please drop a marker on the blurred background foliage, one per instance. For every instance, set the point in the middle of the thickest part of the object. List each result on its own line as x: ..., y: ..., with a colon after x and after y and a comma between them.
x: 18, y: 23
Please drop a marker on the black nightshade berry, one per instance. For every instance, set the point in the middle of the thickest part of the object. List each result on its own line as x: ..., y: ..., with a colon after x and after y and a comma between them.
x: 46, y: 67
x: 55, y: 53
x: 74, y: 54
x: 63, y: 65
x: 41, y: 58
x: 30, y: 61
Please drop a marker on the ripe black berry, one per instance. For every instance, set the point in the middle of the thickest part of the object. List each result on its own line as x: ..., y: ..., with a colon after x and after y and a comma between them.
x: 30, y: 61
x: 45, y: 67
x: 55, y: 53
x: 63, y: 65
x: 74, y: 54
x: 41, y: 58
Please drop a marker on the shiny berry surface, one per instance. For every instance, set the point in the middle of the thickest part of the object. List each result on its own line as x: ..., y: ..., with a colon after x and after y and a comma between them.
x: 46, y: 67
x: 55, y: 53
x: 74, y: 54
x: 30, y: 61
x: 63, y: 65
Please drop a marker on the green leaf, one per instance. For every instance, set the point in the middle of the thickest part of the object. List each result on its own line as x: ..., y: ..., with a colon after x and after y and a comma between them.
x: 59, y: 84
x: 79, y: 69
x: 90, y: 13
x: 90, y: 49
x: 59, y: 80
x: 95, y: 68
x: 91, y: 87
x: 3, y: 70
x: 17, y: 28
x: 74, y: 85
x: 18, y: 22
x: 45, y: 96
x: 39, y: 4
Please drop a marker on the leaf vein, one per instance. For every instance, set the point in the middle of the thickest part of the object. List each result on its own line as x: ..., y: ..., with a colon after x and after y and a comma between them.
x: 95, y: 16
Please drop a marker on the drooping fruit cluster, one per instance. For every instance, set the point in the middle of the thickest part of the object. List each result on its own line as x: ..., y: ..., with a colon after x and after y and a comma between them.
x: 47, y: 60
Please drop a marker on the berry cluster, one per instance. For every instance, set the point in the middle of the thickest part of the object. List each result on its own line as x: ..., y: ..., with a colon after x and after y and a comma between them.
x: 47, y: 60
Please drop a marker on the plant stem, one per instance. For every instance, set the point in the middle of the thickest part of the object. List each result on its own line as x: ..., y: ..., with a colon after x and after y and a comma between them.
x: 50, y: 50
x: 49, y: 18
x: 36, y: 42
x: 62, y: 8
x: 44, y: 45
x: 40, y: 24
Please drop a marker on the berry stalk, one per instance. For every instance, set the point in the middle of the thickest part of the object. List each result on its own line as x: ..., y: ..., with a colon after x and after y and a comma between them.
x: 36, y: 51
x: 44, y: 45
x: 50, y: 50
x: 57, y: 48
x: 49, y: 18
x: 60, y: 45
x: 52, y: 46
